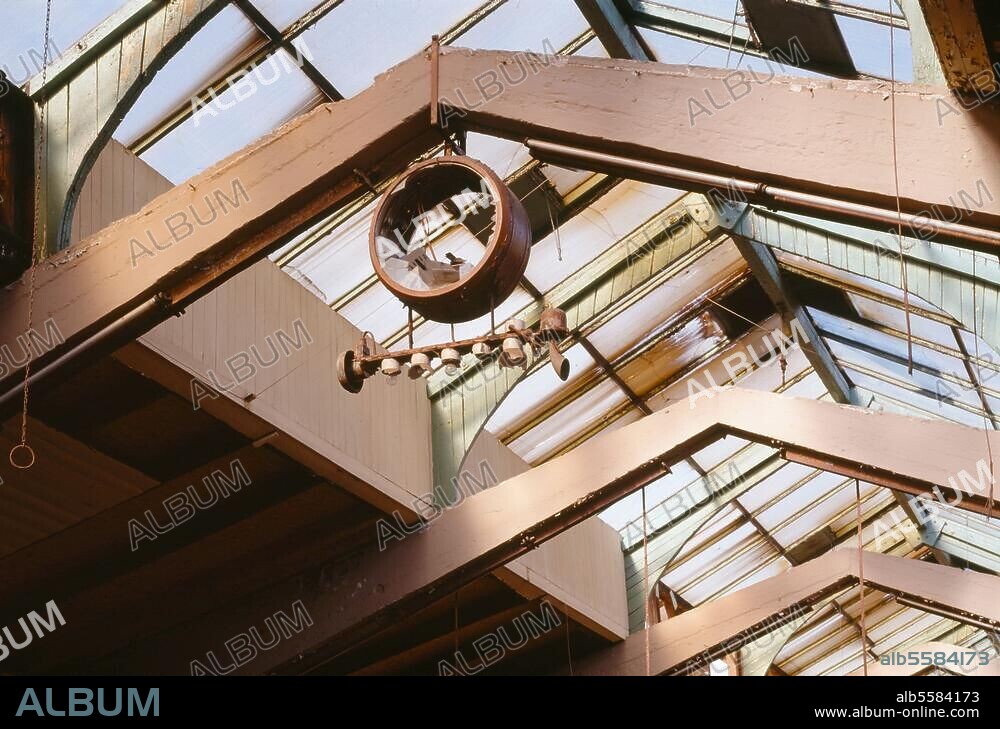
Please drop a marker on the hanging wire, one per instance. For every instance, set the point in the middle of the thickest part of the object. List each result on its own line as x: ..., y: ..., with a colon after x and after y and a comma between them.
x: 782, y: 360
x: 979, y: 376
x: 555, y: 228
x: 736, y: 313
x: 569, y: 650
x: 39, y: 240
x: 456, y: 623
x: 645, y: 577
x: 732, y: 33
x: 861, y: 578
x: 899, y: 210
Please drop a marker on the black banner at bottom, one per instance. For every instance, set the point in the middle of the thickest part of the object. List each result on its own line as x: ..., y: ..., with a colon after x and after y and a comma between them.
x: 173, y: 700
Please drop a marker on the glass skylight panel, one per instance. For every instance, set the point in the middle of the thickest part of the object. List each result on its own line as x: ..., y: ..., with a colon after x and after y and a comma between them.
x: 821, y: 625
x: 526, y: 25
x: 680, y: 51
x: 538, y: 391
x: 811, y: 387
x: 561, y: 427
x: 22, y: 43
x: 880, y: 5
x: 595, y: 230
x: 892, y: 346
x: 801, y: 502
x: 868, y: 43
x: 832, y: 497
x: 712, y: 456
x: 692, y: 564
x: 565, y: 180
x: 641, y: 319
x: 775, y: 485
x: 763, y: 563
x: 848, y: 519
x: 274, y: 94
x: 928, y: 407
x: 282, y: 13
x: 360, y: 39
x: 661, y: 362
x: 626, y: 514
x: 892, y: 627
x: 723, y: 9
x: 338, y: 262
x: 209, y: 53
x: 376, y: 310
x: 730, y: 557
x: 592, y: 49
x: 680, y: 477
x: 657, y: 307
x: 503, y: 156
x: 433, y: 332
x: 895, y: 318
x: 723, y: 521
x: 987, y: 356
x: 897, y: 371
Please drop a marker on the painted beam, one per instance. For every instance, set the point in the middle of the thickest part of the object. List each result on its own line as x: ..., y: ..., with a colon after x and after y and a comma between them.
x: 957, y: 35
x: 250, y: 203
x: 620, y: 38
x: 815, y: 136
x: 690, y: 639
x: 641, y: 109
x: 353, y: 599
x: 766, y: 270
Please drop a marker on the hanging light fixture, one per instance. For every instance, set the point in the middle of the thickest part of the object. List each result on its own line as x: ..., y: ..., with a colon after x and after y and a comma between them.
x: 420, y: 364
x: 551, y: 328
x: 391, y: 367
x: 482, y: 350
x: 519, y: 346
x: 512, y: 354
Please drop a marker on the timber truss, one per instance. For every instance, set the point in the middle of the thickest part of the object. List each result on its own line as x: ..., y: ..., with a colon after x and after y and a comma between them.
x: 355, y: 598
x: 606, y: 114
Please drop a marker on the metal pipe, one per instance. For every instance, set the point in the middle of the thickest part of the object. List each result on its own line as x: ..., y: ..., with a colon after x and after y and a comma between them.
x: 157, y: 304
x: 703, y: 181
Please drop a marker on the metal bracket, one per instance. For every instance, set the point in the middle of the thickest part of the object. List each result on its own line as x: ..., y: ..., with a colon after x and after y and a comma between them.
x: 453, y: 144
x: 713, y: 212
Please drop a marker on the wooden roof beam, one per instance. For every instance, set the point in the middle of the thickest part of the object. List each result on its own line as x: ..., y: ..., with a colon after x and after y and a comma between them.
x: 353, y: 600
x: 957, y: 35
x: 710, y: 631
x: 619, y: 37
x: 819, y: 137
x: 816, y: 137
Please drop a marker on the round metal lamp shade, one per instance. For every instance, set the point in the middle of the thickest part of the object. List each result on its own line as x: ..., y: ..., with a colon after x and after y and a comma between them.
x: 449, y: 239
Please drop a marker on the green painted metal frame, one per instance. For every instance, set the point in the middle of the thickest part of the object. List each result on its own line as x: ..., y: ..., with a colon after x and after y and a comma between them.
x: 82, y: 111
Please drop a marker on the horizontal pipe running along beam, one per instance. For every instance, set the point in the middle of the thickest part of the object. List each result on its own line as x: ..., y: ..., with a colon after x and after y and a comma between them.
x: 759, y: 192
